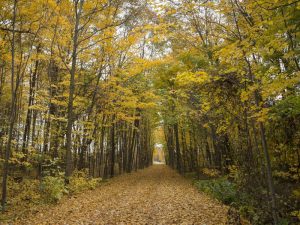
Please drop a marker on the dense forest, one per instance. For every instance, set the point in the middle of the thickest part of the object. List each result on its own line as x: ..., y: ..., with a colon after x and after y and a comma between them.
x: 88, y: 87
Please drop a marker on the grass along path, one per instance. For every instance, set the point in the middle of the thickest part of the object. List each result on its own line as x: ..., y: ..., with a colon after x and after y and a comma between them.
x: 156, y: 195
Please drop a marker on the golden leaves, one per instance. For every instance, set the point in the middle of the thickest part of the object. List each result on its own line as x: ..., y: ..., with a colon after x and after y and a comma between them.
x: 161, y: 196
x: 190, y: 78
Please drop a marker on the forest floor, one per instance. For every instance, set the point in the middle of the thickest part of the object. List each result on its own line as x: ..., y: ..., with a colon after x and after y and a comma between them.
x: 156, y: 195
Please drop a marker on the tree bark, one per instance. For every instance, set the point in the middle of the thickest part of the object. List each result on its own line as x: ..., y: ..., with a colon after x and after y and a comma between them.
x: 178, y: 153
x: 14, y: 88
x: 78, y: 4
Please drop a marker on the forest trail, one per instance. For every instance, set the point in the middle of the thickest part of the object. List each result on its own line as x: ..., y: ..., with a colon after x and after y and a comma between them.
x: 156, y: 195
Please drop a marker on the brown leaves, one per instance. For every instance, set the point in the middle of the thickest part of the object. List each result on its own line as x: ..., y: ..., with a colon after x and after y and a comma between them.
x: 156, y: 195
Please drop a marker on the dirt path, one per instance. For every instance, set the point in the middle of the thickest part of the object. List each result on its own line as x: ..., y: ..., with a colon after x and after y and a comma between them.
x: 156, y: 195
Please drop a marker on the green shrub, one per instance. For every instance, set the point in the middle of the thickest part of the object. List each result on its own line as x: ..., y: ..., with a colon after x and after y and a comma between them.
x: 221, y: 189
x: 26, y: 191
x: 22, y: 192
x: 53, y: 188
x: 80, y: 181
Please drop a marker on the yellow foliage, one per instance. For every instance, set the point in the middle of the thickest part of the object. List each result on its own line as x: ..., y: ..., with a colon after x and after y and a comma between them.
x: 189, y: 78
x: 211, y: 172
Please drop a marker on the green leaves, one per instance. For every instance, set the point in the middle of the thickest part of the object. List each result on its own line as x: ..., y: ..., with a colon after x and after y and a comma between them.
x: 220, y: 189
x: 53, y: 188
x: 286, y: 108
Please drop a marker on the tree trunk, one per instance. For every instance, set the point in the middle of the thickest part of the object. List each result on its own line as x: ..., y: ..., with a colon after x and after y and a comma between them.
x: 113, y: 148
x: 78, y: 11
x: 178, y: 153
x: 33, y: 79
x: 13, y: 112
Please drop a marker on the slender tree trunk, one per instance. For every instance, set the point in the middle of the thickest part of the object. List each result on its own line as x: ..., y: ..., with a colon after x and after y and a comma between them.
x: 178, y: 152
x: 33, y: 79
x: 13, y: 112
x: 269, y: 172
x: 113, y: 148
x: 78, y: 4
x: 217, y: 149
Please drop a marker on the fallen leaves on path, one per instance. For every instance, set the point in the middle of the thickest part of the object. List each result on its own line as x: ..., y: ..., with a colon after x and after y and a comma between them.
x: 156, y: 195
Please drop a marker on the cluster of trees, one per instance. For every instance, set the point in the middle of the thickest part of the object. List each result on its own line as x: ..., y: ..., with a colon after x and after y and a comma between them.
x: 83, y: 84
x: 74, y: 87
x: 230, y: 95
